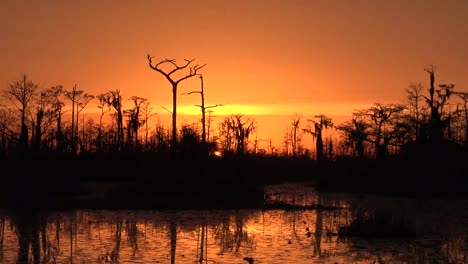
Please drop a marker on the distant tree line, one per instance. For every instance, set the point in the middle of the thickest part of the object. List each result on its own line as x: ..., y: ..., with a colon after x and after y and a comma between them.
x: 434, y: 118
x: 35, y: 119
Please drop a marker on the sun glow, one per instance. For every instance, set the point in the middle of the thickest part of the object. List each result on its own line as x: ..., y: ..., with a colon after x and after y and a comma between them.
x: 276, y: 109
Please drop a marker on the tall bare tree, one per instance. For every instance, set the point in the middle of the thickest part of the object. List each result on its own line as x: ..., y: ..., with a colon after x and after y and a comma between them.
x: 21, y: 93
x: 169, y: 74
x: 414, y: 96
x: 203, y: 110
x: 104, y: 109
x: 79, y: 101
x: 147, y: 114
x: 57, y: 93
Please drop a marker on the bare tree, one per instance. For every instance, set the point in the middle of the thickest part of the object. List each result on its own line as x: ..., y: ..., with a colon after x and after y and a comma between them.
x: 114, y: 100
x: 79, y: 101
x: 203, y: 110
x: 46, y: 112
x: 104, y: 109
x: 414, y: 95
x: 169, y: 74
x: 57, y: 93
x: 21, y: 93
x: 147, y: 114
x: 7, y: 135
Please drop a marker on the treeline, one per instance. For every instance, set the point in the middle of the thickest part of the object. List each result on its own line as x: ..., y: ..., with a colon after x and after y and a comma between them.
x: 433, y: 119
x: 38, y: 120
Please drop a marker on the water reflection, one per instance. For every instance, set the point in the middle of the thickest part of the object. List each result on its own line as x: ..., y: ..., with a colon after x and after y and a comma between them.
x: 439, y: 233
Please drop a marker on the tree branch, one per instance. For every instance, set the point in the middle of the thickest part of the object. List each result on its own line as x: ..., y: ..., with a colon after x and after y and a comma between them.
x: 166, y: 109
x: 192, y: 92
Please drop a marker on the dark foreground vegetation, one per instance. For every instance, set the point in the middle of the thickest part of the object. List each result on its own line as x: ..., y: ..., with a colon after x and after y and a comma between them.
x: 419, y: 149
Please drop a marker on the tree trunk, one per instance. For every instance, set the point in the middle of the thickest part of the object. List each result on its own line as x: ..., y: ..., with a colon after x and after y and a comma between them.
x: 174, y: 118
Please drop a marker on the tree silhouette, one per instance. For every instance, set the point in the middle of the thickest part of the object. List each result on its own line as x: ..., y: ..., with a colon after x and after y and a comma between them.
x: 355, y: 133
x: 147, y: 114
x: 102, y: 105
x: 203, y: 110
x: 437, y: 100
x: 193, y: 71
x: 79, y: 100
x: 46, y: 111
x: 464, y: 97
x: 321, y: 123
x: 242, y: 129
x: 385, y: 126
x: 114, y: 100
x: 21, y: 93
x: 57, y: 93
x: 295, y: 137
x: 135, y: 122
x: 414, y: 96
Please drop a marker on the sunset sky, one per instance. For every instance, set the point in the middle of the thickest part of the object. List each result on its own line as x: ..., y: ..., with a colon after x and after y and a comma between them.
x: 270, y: 58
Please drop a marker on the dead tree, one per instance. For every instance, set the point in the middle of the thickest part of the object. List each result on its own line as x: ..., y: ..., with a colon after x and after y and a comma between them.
x: 414, y: 96
x: 79, y: 101
x: 169, y: 74
x: 203, y: 110
x: 437, y: 100
x: 57, y: 93
x: 147, y: 114
x: 21, y: 93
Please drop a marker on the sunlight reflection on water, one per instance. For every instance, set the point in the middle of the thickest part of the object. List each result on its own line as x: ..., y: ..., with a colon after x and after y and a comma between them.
x: 233, y: 236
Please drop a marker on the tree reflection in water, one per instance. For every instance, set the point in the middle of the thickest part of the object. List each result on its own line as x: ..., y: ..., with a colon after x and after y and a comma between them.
x: 318, y: 231
x: 2, y: 236
x: 132, y: 235
x: 28, y: 228
x: 232, y: 240
x: 173, y: 238
x: 202, y: 244
x: 235, y: 236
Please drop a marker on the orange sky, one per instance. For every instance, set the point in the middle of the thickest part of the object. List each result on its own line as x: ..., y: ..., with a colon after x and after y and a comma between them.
x: 270, y: 57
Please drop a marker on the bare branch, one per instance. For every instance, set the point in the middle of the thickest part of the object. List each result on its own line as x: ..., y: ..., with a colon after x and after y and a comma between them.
x: 166, y: 109
x: 213, y: 106
x: 192, y: 92
x: 177, y: 67
x: 193, y: 72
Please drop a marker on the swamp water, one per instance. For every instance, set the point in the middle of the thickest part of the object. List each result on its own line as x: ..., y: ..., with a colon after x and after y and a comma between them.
x: 297, y: 225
